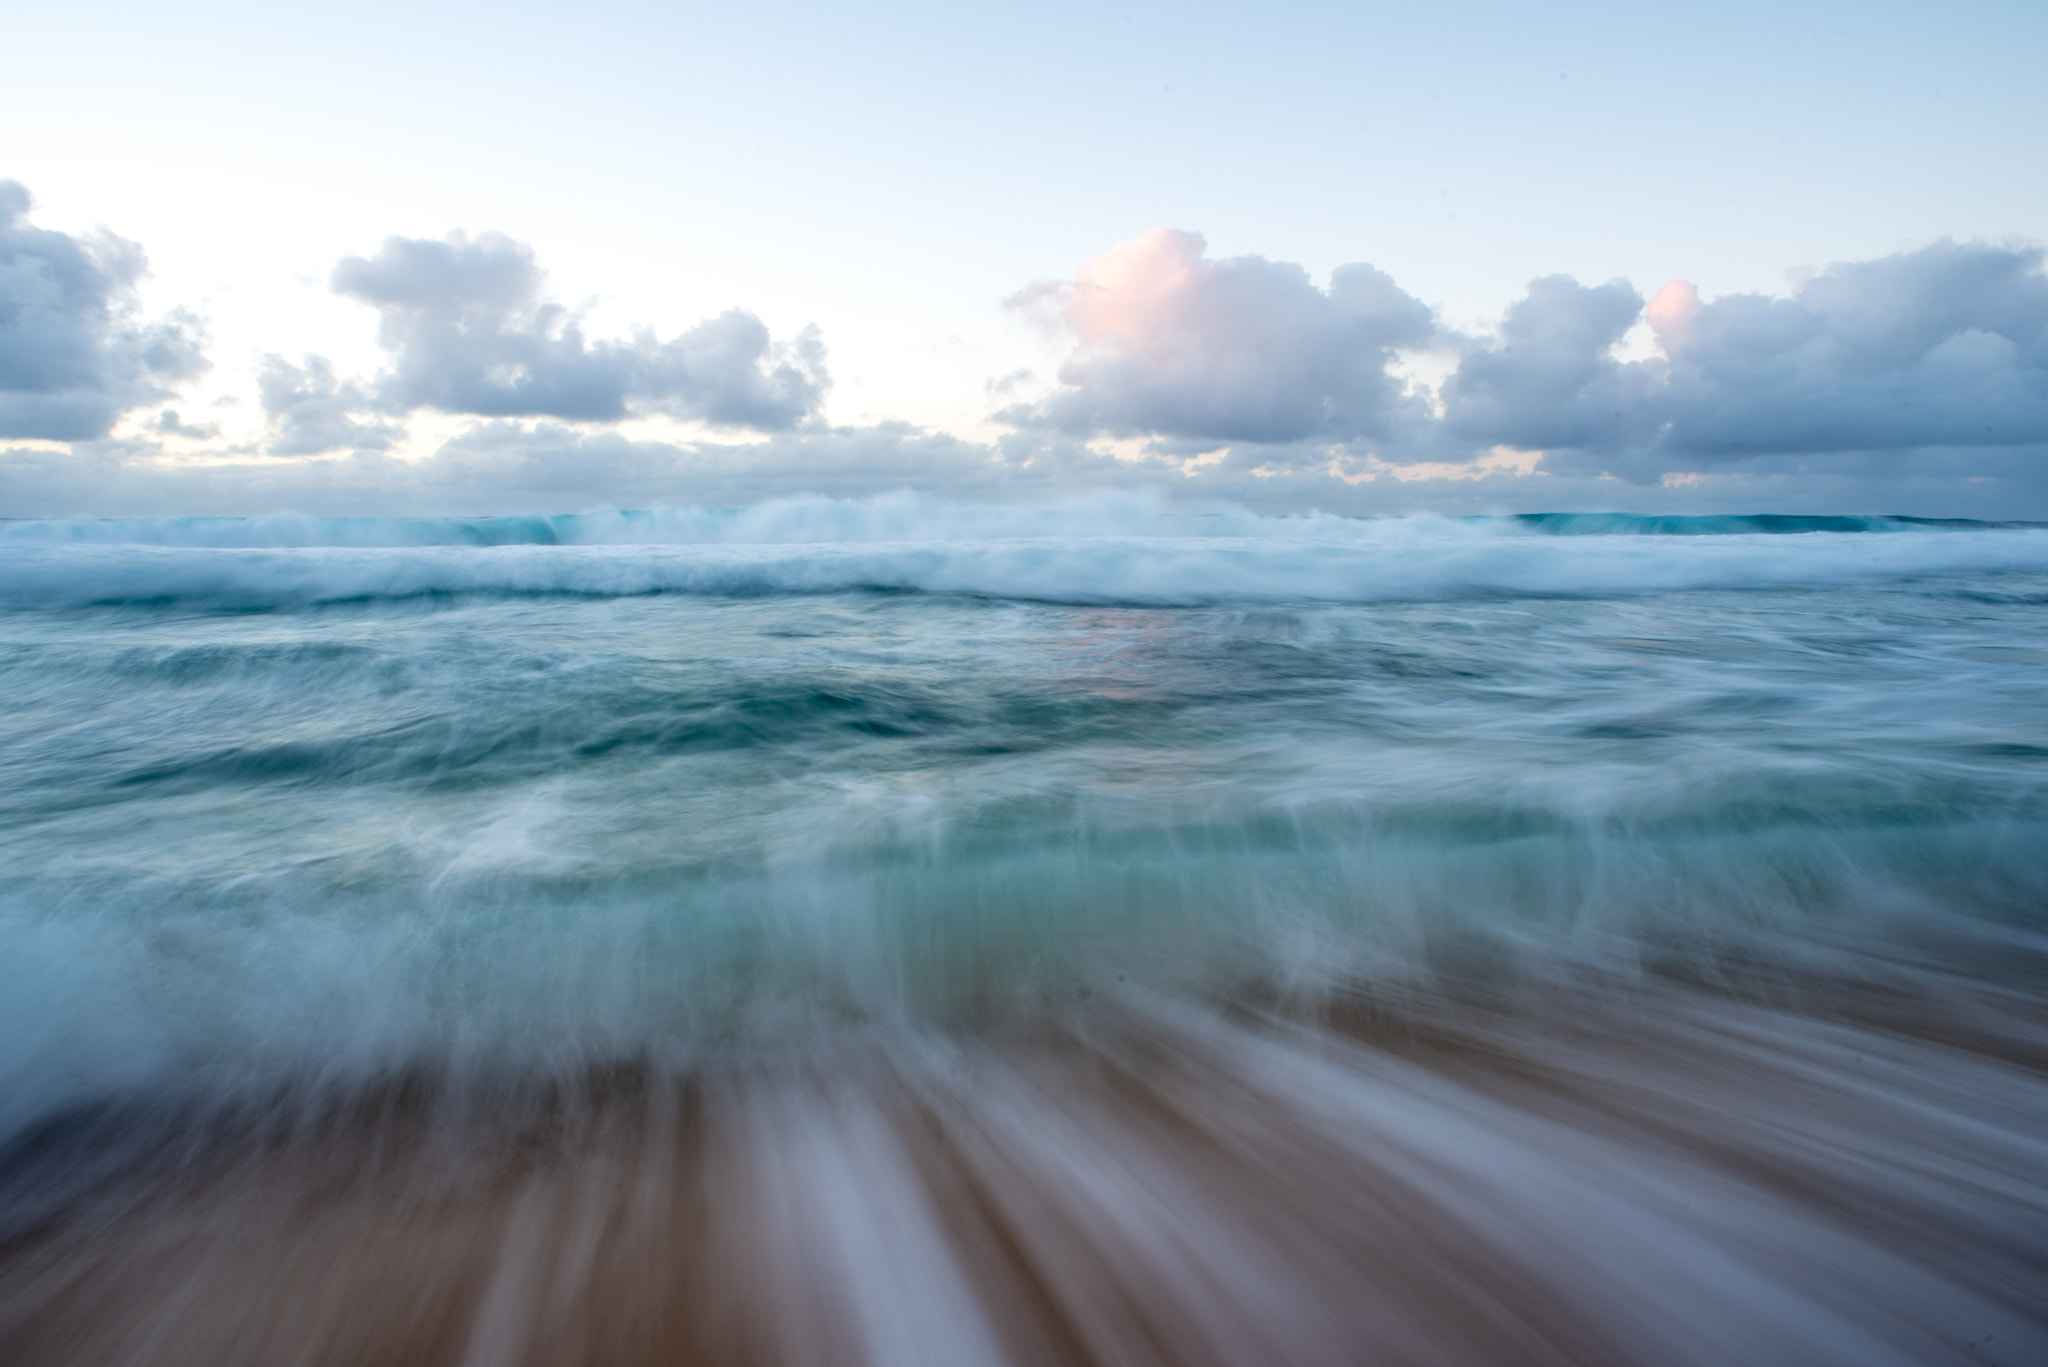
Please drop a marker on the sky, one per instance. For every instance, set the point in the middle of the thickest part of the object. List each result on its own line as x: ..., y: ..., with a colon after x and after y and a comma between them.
x: 440, y: 258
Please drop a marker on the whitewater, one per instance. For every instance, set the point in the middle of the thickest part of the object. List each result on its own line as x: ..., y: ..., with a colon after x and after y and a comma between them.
x: 895, y: 931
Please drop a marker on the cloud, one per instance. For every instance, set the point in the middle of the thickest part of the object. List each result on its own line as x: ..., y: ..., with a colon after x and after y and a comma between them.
x: 1913, y: 383
x: 1551, y: 380
x: 1245, y: 349
x: 1941, y: 350
x: 547, y: 464
x: 504, y: 466
x: 469, y: 332
x: 1926, y: 365
x: 74, y: 354
x: 311, y: 411
x: 169, y: 424
x: 509, y: 466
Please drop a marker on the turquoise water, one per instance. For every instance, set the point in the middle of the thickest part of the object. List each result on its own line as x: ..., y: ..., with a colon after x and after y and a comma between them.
x: 902, y: 933
x: 308, y: 799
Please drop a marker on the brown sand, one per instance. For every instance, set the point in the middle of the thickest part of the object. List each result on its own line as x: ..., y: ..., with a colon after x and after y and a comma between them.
x: 1565, y: 1175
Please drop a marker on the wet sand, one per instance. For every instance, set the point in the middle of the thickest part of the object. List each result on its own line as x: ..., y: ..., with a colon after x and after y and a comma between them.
x: 1756, y: 1167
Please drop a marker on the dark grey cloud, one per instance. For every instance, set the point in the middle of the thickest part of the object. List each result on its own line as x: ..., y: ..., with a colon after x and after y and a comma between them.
x: 1939, y: 354
x: 469, y: 331
x: 1237, y: 350
x: 74, y: 354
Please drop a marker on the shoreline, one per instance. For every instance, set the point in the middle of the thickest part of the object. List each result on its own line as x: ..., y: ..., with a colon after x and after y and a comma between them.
x: 1476, y: 1172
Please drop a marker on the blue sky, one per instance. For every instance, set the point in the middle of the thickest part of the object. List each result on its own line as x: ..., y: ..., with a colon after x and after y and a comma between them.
x: 927, y: 187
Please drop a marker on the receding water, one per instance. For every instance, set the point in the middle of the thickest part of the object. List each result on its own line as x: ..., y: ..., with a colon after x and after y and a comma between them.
x: 1322, y: 932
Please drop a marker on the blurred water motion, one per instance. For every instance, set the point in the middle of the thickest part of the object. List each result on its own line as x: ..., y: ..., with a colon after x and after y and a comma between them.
x: 1281, y: 941
x: 1566, y: 1173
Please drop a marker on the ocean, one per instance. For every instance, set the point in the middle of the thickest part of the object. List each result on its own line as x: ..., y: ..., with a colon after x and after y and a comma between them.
x: 904, y: 932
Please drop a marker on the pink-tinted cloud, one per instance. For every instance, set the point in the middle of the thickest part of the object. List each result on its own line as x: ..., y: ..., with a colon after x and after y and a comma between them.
x: 1172, y: 343
x: 1673, y: 311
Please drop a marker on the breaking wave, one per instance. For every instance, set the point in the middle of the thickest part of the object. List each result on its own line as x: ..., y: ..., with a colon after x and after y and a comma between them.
x: 1126, y: 551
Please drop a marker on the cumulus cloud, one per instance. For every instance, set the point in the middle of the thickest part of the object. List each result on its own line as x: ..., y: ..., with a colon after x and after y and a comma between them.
x: 1931, y: 364
x: 311, y: 410
x: 1237, y: 350
x: 1551, y: 379
x: 74, y: 353
x: 1941, y: 350
x: 469, y: 331
x: 1914, y: 383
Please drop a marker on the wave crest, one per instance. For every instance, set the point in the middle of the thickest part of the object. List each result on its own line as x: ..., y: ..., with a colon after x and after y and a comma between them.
x: 1109, y: 550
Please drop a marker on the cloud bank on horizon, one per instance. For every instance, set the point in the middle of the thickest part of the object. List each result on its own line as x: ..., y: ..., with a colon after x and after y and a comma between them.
x: 1916, y: 382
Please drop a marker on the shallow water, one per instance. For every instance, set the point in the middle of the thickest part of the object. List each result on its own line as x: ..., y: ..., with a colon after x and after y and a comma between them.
x: 896, y: 932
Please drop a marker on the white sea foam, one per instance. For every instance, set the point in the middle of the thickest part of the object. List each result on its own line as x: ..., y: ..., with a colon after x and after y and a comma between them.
x: 1102, y: 551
